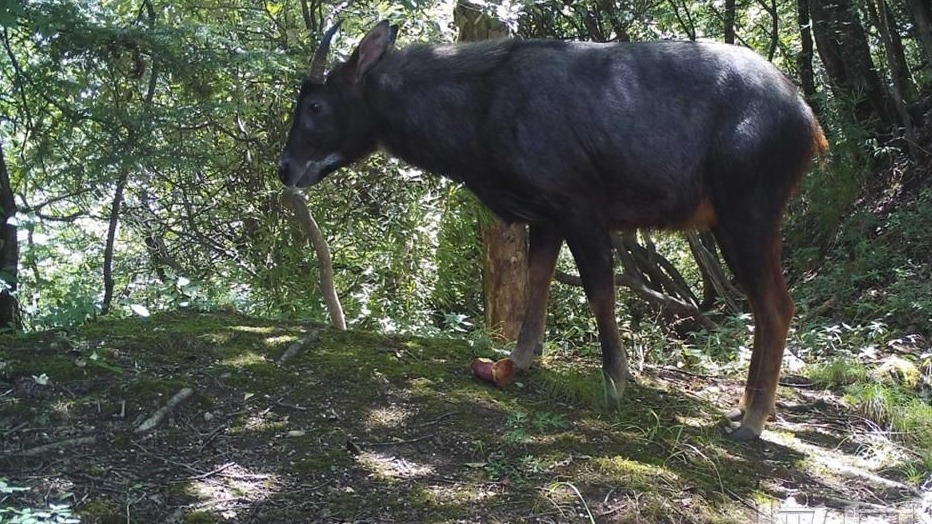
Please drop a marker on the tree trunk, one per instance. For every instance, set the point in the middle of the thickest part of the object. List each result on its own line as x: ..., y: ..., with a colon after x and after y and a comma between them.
x: 655, y: 279
x: 804, y: 58
x: 922, y: 15
x: 771, y: 9
x: 325, y: 263
x: 729, y: 21
x: 686, y: 21
x: 115, y: 207
x: 504, y: 246
x: 842, y: 44
x: 9, y: 252
x: 504, y: 277
x: 898, y: 63
x: 715, y: 282
x: 899, y: 71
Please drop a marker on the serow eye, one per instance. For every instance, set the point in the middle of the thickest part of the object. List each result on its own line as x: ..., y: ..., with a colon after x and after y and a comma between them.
x: 314, y: 107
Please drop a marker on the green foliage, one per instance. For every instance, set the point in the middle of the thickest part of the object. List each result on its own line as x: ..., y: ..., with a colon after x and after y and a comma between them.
x: 832, y: 186
x: 10, y: 10
x: 6, y: 488
x: 876, y: 402
x: 458, y: 256
x: 838, y: 372
x: 521, y: 425
x: 516, y: 470
x: 878, y: 270
x: 916, y: 471
x: 913, y: 422
x: 895, y: 406
x: 190, y: 105
x: 15, y: 514
x: 384, y: 243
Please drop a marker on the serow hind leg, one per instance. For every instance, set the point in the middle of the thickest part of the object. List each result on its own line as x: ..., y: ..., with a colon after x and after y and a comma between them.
x: 591, y: 247
x: 755, y: 261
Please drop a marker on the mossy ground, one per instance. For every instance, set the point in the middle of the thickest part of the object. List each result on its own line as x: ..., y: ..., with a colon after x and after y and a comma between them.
x: 365, y: 428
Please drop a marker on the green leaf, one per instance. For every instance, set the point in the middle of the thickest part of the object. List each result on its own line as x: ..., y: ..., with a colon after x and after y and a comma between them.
x: 10, y: 10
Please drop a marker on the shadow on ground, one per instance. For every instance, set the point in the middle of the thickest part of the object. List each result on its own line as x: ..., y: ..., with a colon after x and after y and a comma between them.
x: 357, y: 427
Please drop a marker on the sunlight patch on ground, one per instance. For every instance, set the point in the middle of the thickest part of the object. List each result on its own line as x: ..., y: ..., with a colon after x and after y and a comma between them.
x: 462, y: 493
x: 616, y: 466
x: 279, y: 340
x: 854, y: 473
x: 879, y: 452
x: 244, y: 359
x: 388, y: 466
x: 875, y: 451
x: 259, y: 422
x: 267, y: 330
x: 387, y: 417
x: 232, y: 489
x: 694, y: 422
x: 63, y: 408
x: 217, y: 338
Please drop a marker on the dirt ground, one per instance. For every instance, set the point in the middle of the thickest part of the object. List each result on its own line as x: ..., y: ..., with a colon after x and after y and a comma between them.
x: 194, y: 417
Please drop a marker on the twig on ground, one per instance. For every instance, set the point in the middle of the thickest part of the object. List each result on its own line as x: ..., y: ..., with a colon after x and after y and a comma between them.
x: 297, y: 346
x: 438, y: 419
x: 157, y: 417
x: 14, y: 429
x: 290, y: 406
x: 39, y: 450
x: 308, y: 487
x: 210, y: 438
x: 168, y: 461
x: 203, y: 476
x: 581, y: 499
x: 399, y: 442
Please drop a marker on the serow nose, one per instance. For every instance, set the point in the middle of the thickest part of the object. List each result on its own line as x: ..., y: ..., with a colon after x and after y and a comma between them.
x: 283, y: 171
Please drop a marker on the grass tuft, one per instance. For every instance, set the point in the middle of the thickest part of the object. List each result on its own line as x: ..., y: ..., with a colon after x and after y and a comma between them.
x: 838, y: 372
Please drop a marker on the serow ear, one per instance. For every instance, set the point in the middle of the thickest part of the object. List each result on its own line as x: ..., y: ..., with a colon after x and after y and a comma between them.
x: 374, y: 47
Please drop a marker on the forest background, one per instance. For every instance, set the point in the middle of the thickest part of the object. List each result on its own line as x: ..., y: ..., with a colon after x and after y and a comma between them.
x: 140, y: 139
x: 138, y: 147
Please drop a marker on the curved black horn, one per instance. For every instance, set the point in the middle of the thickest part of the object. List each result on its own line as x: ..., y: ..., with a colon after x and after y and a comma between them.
x: 319, y: 62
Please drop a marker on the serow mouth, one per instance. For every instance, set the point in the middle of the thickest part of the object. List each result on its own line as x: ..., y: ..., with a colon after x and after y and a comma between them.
x: 315, y: 170
x: 293, y: 174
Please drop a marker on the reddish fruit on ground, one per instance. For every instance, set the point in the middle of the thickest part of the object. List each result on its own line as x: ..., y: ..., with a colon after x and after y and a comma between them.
x: 499, y: 373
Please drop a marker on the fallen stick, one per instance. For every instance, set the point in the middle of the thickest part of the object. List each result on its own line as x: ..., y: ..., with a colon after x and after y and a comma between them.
x: 160, y: 415
x: 39, y: 450
x: 297, y: 346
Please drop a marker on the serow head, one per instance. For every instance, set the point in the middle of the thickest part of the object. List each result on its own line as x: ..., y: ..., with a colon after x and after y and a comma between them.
x: 331, y: 126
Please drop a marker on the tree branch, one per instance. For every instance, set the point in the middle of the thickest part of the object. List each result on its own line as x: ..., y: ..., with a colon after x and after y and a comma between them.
x: 316, y: 237
x: 659, y: 300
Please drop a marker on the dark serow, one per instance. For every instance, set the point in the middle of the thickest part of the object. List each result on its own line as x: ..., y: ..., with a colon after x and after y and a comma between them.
x: 578, y: 139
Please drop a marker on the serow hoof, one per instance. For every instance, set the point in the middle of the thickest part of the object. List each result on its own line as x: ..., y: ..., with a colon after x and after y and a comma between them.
x: 743, y: 434
x: 734, y: 414
x: 613, y: 391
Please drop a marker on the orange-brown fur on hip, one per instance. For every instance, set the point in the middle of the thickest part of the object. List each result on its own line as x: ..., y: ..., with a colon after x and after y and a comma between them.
x: 703, y: 217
